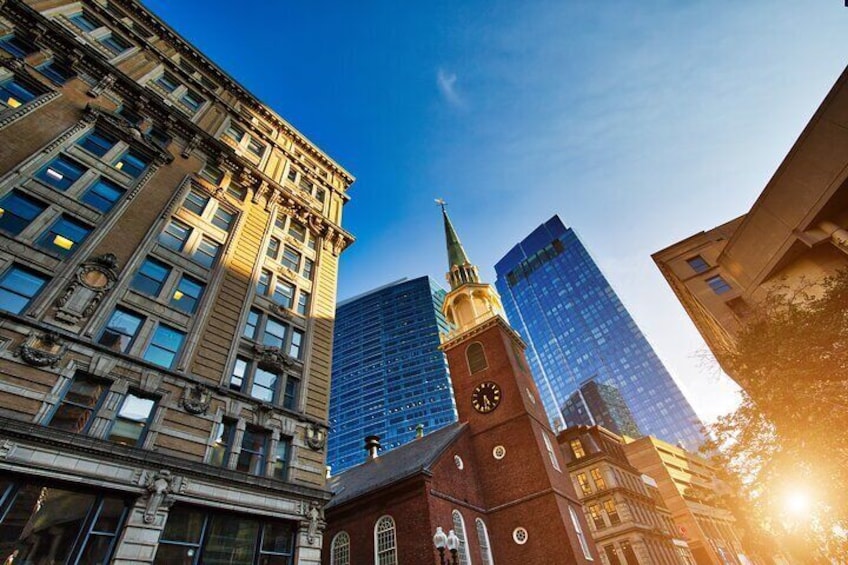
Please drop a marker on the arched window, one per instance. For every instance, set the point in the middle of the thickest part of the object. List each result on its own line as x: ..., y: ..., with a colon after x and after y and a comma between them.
x: 385, y: 542
x: 459, y: 530
x: 476, y: 357
x: 483, y: 539
x: 340, y: 549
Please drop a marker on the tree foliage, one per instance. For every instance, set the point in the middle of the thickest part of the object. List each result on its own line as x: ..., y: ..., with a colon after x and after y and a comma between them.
x: 788, y: 441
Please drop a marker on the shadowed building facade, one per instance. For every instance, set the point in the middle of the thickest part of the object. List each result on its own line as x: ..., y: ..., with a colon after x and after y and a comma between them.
x: 168, y: 256
x: 576, y: 329
x: 599, y: 404
x: 389, y: 376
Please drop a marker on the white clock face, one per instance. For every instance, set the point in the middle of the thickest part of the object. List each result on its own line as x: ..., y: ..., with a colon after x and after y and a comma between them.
x: 486, y: 397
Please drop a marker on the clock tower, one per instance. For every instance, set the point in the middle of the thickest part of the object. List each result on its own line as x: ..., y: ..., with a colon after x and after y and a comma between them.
x: 534, y: 514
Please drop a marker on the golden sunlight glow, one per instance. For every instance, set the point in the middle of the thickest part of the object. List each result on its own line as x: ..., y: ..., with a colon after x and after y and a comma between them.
x: 178, y: 295
x: 119, y: 165
x: 63, y: 242
x: 797, y: 503
x: 13, y: 102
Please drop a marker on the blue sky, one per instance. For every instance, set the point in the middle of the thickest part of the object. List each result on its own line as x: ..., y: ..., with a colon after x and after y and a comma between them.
x: 638, y: 123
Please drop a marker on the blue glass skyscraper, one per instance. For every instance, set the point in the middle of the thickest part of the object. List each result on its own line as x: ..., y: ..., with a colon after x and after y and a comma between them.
x: 577, y: 329
x: 388, y: 372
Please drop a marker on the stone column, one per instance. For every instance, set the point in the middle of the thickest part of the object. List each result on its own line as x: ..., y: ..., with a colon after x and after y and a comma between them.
x: 140, y: 539
x: 310, y: 535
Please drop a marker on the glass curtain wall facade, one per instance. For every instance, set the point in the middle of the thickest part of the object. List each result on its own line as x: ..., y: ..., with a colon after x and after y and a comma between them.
x: 577, y: 329
x: 388, y: 374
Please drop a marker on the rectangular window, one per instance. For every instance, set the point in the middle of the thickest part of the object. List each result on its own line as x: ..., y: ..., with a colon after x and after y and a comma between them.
x: 164, y: 346
x: 577, y: 448
x: 551, y: 452
x: 192, y: 100
x: 264, y: 283
x: 212, y: 173
x: 115, y: 44
x: 280, y: 222
x: 150, y: 277
x: 59, y: 73
x: 18, y: 286
x: 275, y: 333
x: 320, y: 195
x: 187, y: 294
x: 84, y: 22
x: 237, y: 191
x: 206, y: 252
x: 291, y: 259
x: 303, y: 303
x: 223, y: 219
x: 718, y: 284
x: 297, y: 231
x: 256, y: 147
x: 196, y: 202
x: 61, y: 173
x: 220, y: 448
x: 174, y: 235
x: 17, y: 211
x: 103, y: 195
x: 296, y: 344
x: 252, y: 324
x: 597, y: 517
x: 132, y: 163
x: 281, y: 461
x: 308, y: 268
x: 235, y: 132
x: 16, y: 46
x: 254, y: 446
x: 264, y: 385
x: 13, y: 94
x: 80, y: 401
x: 583, y: 480
x: 698, y: 264
x: 63, y: 236
x: 580, y: 536
x: 239, y: 374
x: 132, y: 420
x: 292, y: 175
x: 97, y: 143
x: 284, y: 294
x: 600, y: 483
x: 168, y: 82
x: 612, y: 512
x: 290, y: 396
x: 306, y: 185
x: 121, y: 330
x: 273, y: 248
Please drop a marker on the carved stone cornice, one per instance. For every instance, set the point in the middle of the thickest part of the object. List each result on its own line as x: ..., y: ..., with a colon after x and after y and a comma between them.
x: 126, y: 129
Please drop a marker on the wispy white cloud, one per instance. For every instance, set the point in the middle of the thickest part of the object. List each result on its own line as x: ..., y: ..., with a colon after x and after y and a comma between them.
x: 447, y: 87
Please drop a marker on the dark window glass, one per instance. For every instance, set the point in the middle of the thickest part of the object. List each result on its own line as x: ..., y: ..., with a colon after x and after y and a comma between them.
x: 235, y: 133
x: 57, y: 72
x: 230, y: 541
x: 284, y: 294
x: 132, y: 163
x: 16, y: 46
x: 102, y: 195
x: 237, y: 191
x: 63, y: 236
x: 264, y: 283
x: 254, y: 445
x: 290, y: 396
x: 718, y: 284
x: 17, y: 210
x: 308, y: 268
x: 280, y: 223
x: 296, y: 344
x: 164, y: 346
x: 97, y: 143
x: 698, y: 264
x: 18, y: 287
x: 255, y: 147
x: 281, y: 461
x: 84, y: 21
x: 275, y: 333
x: 61, y: 173
x: 167, y: 82
x: 292, y: 175
x: 251, y: 325
x: 206, y: 252
x: 264, y: 385
x: 239, y: 374
x: 121, y: 330
x: 320, y: 195
x: 13, y: 94
x: 223, y: 444
x: 196, y: 202
x: 115, y: 44
x: 212, y: 173
x: 223, y: 219
x: 277, y: 544
x: 131, y: 422
x: 291, y: 259
x: 476, y: 357
x: 297, y: 231
x: 159, y: 136
x: 273, y: 248
x: 80, y: 401
x: 187, y: 294
x: 150, y: 277
x: 192, y: 100
x: 175, y: 235
x: 303, y: 303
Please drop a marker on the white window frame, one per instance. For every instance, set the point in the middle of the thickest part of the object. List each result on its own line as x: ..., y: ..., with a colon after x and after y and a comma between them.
x: 340, y: 543
x: 459, y: 529
x: 485, y: 542
x: 389, y: 555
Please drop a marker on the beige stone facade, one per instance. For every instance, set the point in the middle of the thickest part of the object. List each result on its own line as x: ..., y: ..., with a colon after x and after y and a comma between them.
x: 168, y: 262
x: 795, y: 233
x: 689, y: 487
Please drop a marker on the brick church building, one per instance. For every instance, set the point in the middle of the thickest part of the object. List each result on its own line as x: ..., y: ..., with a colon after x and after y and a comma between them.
x: 496, y: 477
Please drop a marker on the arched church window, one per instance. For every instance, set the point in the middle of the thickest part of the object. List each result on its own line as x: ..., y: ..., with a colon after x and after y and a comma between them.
x: 476, y: 357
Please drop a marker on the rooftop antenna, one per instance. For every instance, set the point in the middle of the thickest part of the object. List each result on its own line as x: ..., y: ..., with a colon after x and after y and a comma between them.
x: 441, y: 203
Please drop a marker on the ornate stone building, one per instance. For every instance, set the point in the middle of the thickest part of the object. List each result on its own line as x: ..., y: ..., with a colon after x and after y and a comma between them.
x: 168, y: 257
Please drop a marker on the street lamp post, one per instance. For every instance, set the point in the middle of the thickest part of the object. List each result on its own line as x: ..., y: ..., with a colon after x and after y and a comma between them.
x: 450, y: 541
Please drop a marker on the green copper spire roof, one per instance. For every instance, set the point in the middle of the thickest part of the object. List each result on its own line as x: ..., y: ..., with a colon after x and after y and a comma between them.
x: 456, y: 254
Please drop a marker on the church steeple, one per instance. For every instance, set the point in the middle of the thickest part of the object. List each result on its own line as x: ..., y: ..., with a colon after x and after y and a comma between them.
x: 469, y: 302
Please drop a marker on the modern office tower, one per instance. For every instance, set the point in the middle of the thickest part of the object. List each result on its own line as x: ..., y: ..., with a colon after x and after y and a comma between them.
x: 168, y: 257
x: 389, y: 376
x: 577, y: 329
x: 599, y: 404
